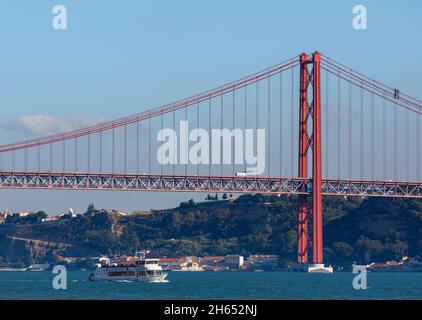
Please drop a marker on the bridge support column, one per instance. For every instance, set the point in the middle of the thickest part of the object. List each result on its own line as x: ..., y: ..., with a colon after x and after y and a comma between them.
x: 317, y: 244
x: 313, y: 109
x: 303, y: 206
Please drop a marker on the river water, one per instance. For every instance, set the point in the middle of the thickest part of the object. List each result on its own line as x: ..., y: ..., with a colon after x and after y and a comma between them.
x: 215, y: 285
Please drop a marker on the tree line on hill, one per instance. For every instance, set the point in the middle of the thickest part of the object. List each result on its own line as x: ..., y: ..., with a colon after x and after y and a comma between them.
x: 361, y: 230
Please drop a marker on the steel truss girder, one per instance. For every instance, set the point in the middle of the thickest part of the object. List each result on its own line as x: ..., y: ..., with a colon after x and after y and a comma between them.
x: 268, y: 185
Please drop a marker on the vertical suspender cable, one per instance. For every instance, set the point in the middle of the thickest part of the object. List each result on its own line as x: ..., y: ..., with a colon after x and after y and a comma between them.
x: 395, y: 142
x: 257, y: 106
x: 209, y: 131
x: 407, y: 145
x: 26, y: 160
x: 269, y: 126
x: 39, y: 157
x: 174, y: 129
x: 197, y: 126
x: 372, y: 136
x: 281, y: 123
x: 245, y: 119
x: 384, y: 143
x: 125, y: 146
x: 88, y: 152
x: 149, y: 145
x: 350, y: 130
x: 361, y: 134
x: 51, y: 157
x: 233, y: 127
x: 137, y: 147
x: 162, y: 152
x: 338, y: 128
x: 76, y: 155
x: 293, y: 121
x: 112, y: 151
x: 221, y: 128
x: 327, y: 127
x: 418, y: 155
x: 64, y: 155
x: 101, y: 151
x: 187, y: 152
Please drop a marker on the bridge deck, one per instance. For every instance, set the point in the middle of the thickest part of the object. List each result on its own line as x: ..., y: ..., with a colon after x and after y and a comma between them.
x: 175, y: 183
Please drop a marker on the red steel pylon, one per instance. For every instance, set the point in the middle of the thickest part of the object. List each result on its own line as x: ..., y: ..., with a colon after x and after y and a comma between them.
x: 305, y: 141
x: 303, y: 210
x: 317, y: 246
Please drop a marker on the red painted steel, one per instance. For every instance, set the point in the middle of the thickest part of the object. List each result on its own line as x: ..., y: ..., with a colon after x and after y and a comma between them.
x: 317, y: 244
x: 303, y: 206
x: 190, y: 183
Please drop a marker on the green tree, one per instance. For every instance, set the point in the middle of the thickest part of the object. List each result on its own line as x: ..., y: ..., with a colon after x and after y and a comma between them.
x: 91, y: 210
x: 370, y: 250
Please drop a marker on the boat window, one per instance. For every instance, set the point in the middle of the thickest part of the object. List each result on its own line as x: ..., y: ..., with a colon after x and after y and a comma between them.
x: 121, y: 273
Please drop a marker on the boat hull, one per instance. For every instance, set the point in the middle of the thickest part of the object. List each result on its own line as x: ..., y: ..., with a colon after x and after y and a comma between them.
x: 155, y: 278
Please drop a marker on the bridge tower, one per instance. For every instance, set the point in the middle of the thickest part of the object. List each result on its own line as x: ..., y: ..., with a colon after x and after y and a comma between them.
x: 303, y: 209
x: 307, y: 109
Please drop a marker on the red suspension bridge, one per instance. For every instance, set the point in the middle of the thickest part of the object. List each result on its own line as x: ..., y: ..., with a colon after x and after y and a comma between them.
x: 330, y: 130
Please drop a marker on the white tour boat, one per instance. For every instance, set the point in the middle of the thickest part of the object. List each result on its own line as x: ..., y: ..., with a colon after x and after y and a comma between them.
x: 139, y: 269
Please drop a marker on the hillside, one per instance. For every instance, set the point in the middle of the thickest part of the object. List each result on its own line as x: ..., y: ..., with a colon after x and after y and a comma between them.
x: 356, y: 229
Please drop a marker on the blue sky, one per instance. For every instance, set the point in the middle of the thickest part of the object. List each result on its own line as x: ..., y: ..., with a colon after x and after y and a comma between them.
x: 122, y: 57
